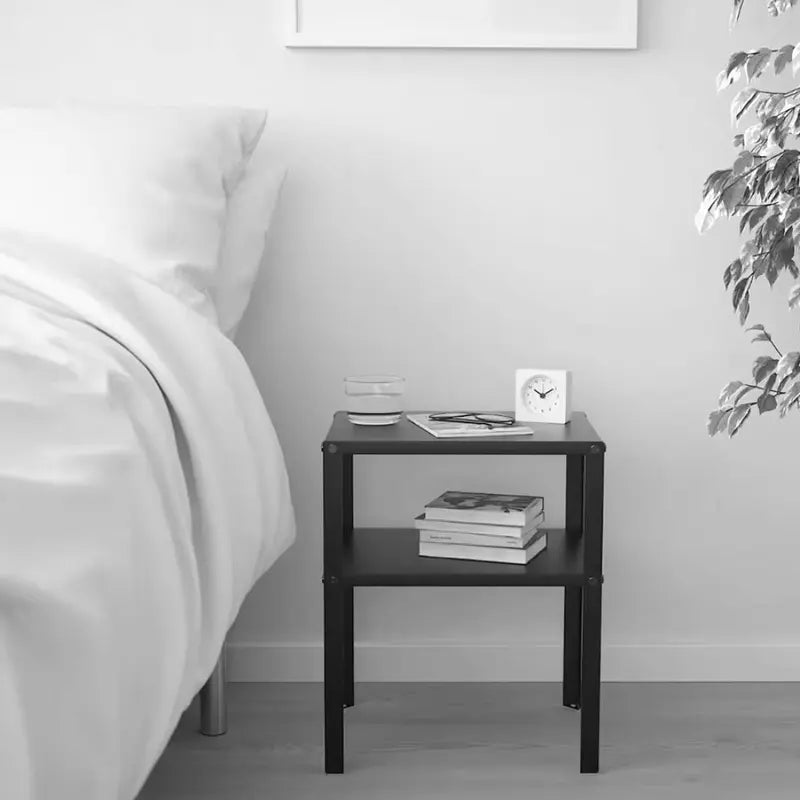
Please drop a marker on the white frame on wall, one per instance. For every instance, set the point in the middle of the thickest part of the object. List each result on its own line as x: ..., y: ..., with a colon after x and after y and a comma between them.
x: 625, y: 38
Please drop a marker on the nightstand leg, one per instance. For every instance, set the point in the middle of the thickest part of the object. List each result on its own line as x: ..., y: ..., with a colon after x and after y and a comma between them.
x: 349, y: 686
x: 571, y: 687
x: 592, y: 610
x: 334, y: 678
x: 590, y: 680
x: 573, y: 595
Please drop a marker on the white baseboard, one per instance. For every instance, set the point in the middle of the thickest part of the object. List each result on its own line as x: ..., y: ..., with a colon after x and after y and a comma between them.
x: 302, y: 662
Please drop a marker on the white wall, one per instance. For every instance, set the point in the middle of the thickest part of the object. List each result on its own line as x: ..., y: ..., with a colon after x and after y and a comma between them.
x: 451, y: 216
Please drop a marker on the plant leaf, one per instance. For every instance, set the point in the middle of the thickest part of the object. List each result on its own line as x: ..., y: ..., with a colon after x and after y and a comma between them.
x: 756, y: 62
x: 737, y: 396
x: 732, y: 195
x: 708, y: 213
x: 738, y: 291
x: 791, y: 397
x: 717, y: 180
x: 757, y: 216
x: 786, y: 160
x: 744, y: 309
x: 741, y: 103
x: 728, y: 390
x: 712, y: 426
x: 787, y: 366
x: 767, y: 402
x: 772, y: 273
x: 775, y: 7
x: 743, y: 162
x: 794, y: 296
x: 792, y: 214
x: 736, y: 12
x: 737, y: 418
x: 718, y: 420
x: 732, y: 272
x: 783, y: 58
x: 762, y: 367
x: 733, y: 71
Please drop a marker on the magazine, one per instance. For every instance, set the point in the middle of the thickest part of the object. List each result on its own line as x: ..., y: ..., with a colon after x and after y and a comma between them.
x: 452, y: 430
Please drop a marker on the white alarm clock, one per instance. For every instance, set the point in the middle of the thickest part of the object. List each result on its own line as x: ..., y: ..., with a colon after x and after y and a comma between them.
x: 544, y: 395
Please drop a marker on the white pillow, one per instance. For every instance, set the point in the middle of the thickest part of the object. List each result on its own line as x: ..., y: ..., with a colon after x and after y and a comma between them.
x: 145, y: 187
x: 250, y: 211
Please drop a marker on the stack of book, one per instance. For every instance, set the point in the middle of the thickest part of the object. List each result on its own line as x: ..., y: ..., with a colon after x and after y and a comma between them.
x: 505, y: 528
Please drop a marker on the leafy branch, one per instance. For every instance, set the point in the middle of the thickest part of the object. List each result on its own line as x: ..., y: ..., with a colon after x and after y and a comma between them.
x: 762, y: 189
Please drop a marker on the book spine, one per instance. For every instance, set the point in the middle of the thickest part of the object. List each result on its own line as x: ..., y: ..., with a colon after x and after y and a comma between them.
x: 515, y: 531
x: 483, y: 517
x: 491, y: 554
x: 517, y: 518
x: 476, y: 539
x: 467, y: 553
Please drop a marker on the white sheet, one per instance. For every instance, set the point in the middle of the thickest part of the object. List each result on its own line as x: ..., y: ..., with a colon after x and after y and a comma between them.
x: 122, y: 565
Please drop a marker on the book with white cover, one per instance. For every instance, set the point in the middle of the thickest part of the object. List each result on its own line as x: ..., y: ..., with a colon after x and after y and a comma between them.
x: 517, y: 531
x: 492, y: 509
x: 454, y: 430
x: 477, y: 539
x: 503, y: 555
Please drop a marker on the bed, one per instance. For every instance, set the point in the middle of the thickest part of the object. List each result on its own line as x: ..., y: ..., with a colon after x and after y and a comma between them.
x: 143, y: 490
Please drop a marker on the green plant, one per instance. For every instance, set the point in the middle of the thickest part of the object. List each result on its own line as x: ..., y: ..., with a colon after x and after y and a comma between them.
x: 761, y: 189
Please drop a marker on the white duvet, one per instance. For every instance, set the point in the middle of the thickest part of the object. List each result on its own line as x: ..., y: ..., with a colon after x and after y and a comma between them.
x: 142, y: 493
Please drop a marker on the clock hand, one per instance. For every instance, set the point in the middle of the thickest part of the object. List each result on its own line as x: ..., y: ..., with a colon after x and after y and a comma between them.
x: 547, y: 393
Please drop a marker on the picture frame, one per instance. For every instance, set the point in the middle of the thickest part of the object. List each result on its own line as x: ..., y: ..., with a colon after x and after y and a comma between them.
x: 463, y: 24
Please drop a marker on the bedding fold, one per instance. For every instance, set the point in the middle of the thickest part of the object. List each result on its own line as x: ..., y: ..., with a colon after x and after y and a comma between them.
x: 142, y: 493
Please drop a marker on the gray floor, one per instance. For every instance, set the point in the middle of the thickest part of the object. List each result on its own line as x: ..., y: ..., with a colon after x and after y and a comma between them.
x: 495, y: 741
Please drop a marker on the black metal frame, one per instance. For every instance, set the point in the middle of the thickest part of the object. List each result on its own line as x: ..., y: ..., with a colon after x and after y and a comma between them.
x: 582, y: 603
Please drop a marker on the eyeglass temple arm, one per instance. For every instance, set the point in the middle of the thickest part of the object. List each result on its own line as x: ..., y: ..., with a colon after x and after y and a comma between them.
x: 463, y: 419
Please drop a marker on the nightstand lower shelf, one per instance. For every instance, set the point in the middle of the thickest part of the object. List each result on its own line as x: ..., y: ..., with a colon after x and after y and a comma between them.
x: 389, y: 557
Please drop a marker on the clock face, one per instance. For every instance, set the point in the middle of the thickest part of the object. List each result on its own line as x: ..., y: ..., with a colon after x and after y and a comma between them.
x: 541, y: 395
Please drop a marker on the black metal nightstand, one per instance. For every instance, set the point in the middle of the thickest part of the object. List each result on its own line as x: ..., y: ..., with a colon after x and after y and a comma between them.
x: 388, y: 557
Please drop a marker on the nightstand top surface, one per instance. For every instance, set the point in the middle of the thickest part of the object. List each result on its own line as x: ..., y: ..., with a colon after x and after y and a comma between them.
x: 576, y: 437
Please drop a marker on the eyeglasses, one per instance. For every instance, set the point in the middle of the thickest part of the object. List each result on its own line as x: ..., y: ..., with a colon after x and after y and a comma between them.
x: 475, y: 418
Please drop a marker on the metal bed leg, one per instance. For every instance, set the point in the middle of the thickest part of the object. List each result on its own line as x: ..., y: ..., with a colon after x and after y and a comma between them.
x: 213, y: 704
